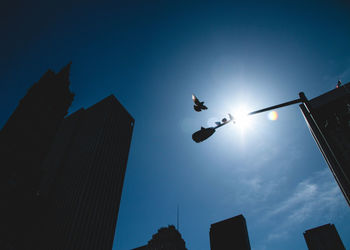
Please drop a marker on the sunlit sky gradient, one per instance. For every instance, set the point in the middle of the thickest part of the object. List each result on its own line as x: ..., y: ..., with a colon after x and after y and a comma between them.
x: 152, y: 55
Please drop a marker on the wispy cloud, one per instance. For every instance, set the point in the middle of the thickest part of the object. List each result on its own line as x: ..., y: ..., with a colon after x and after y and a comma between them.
x: 313, y: 198
x: 305, y: 192
x: 258, y: 189
x: 280, y: 235
x: 315, y: 194
x: 262, y: 179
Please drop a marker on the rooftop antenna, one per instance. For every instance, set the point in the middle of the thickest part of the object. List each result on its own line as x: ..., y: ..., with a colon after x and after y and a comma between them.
x: 177, y: 218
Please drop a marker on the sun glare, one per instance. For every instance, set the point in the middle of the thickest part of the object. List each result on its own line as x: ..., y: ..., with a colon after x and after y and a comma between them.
x: 242, y: 120
x: 273, y: 115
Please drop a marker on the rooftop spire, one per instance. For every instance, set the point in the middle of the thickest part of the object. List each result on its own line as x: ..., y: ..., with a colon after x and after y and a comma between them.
x: 64, y: 72
x: 177, y: 218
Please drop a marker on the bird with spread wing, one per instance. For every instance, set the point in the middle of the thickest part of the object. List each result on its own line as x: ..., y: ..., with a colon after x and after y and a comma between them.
x: 198, y: 106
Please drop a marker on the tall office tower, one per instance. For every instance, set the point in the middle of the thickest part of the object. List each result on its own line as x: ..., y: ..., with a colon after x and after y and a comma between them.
x: 168, y: 238
x: 323, y: 237
x: 328, y: 118
x: 24, y: 143
x: 229, y: 234
x: 83, y: 181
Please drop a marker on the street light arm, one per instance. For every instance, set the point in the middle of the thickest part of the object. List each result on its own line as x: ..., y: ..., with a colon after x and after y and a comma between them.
x: 205, y: 133
x: 265, y: 109
x: 276, y: 106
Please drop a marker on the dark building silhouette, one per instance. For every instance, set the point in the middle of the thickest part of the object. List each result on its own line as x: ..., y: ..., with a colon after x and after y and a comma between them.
x: 328, y: 118
x: 323, y: 237
x: 83, y: 178
x: 229, y: 234
x: 24, y: 142
x: 167, y: 238
x: 61, y: 178
x: 141, y: 248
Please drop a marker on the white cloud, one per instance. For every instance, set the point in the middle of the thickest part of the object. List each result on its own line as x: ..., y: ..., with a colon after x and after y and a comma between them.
x: 258, y: 189
x: 305, y: 192
x: 277, y: 236
x: 313, y: 198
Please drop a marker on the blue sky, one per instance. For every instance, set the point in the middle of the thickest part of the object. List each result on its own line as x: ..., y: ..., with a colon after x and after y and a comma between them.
x: 152, y: 56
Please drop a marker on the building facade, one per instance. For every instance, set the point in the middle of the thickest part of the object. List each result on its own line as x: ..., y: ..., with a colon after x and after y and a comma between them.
x: 328, y: 118
x: 324, y: 237
x: 83, y: 178
x: 229, y: 234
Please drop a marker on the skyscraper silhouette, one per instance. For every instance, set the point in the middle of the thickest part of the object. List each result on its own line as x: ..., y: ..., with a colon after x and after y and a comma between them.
x: 167, y: 238
x: 229, y: 234
x: 323, y: 237
x: 24, y: 142
x: 83, y: 178
x: 61, y: 178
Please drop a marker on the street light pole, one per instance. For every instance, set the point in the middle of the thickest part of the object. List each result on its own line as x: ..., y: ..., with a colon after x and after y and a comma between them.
x: 330, y: 149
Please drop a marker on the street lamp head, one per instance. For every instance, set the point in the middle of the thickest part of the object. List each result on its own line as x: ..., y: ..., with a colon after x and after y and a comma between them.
x: 203, y: 134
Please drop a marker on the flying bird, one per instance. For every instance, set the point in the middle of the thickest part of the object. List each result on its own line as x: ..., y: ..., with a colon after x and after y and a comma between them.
x: 338, y: 84
x: 198, y: 106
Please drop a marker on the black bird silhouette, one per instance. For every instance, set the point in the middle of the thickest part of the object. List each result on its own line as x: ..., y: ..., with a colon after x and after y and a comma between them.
x: 338, y: 84
x: 198, y: 106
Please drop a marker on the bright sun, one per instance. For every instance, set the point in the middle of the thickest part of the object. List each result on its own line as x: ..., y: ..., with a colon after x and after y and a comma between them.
x: 242, y: 119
